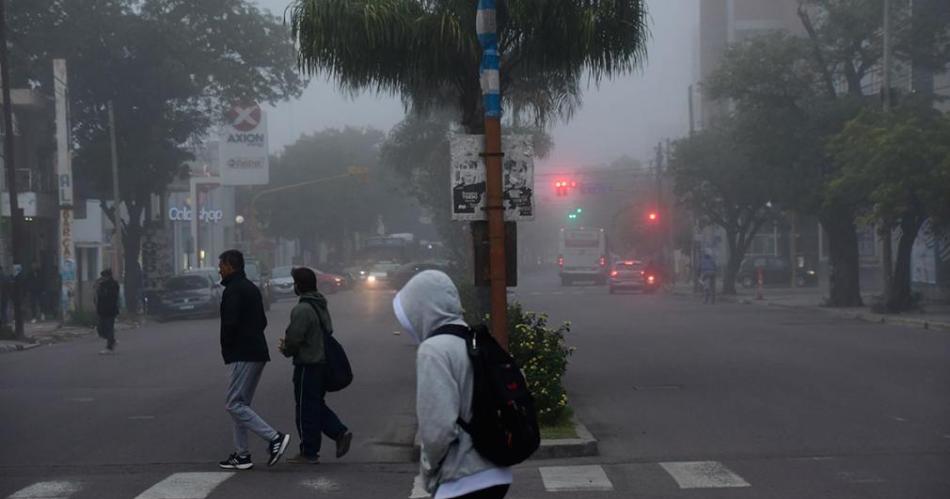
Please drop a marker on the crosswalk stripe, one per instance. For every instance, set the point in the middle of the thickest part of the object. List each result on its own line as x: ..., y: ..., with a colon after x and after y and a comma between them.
x: 186, y: 486
x: 703, y: 475
x: 321, y: 485
x: 48, y: 490
x: 575, y: 478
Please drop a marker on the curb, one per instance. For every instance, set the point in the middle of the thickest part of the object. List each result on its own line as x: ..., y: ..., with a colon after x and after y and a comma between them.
x: 585, y: 445
x: 861, y: 316
x: 18, y: 347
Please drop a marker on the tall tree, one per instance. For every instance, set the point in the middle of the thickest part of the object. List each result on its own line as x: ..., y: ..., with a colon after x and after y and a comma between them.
x: 896, y: 160
x: 169, y: 66
x: 341, y: 204
x: 716, y: 178
x: 427, y: 51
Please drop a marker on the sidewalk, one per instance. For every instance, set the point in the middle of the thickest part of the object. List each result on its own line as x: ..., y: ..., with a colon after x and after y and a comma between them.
x: 50, y: 332
x: 933, y: 316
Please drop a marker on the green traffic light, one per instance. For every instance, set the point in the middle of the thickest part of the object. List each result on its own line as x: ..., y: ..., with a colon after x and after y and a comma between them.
x: 580, y: 210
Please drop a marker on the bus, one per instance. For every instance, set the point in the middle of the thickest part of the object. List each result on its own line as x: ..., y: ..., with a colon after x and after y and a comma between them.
x: 583, y: 255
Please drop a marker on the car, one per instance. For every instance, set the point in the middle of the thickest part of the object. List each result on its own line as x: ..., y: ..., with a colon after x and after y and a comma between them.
x: 405, y: 272
x: 257, y: 273
x: 775, y: 271
x: 377, y: 275
x: 328, y: 283
x: 282, y: 283
x: 187, y: 296
x: 626, y: 274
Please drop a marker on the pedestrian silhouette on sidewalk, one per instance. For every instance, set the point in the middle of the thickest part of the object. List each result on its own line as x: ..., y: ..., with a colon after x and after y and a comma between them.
x: 107, y: 308
x: 450, y: 465
x: 304, y: 340
x: 244, y: 349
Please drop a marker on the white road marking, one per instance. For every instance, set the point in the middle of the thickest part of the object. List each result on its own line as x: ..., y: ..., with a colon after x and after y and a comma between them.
x: 186, y: 486
x: 899, y: 419
x: 48, y: 490
x: 703, y: 475
x: 418, y: 489
x: 859, y: 477
x: 321, y: 485
x: 575, y: 478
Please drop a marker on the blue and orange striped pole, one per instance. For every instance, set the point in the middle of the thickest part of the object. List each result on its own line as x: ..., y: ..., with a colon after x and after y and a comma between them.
x: 486, y: 27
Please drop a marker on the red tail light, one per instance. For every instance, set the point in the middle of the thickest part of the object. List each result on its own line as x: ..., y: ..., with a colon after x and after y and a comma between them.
x: 650, y: 279
x: 560, y: 261
x: 614, y: 273
x: 603, y: 261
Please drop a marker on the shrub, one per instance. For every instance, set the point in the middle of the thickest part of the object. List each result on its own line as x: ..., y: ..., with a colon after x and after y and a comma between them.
x: 542, y: 354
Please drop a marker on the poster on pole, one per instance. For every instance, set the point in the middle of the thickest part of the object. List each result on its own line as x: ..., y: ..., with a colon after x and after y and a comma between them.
x: 467, y: 177
x: 243, y: 150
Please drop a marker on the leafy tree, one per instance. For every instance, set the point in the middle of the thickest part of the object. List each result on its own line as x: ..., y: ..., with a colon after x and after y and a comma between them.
x: 898, y: 161
x: 428, y: 53
x: 719, y: 182
x: 169, y: 66
x: 333, y: 210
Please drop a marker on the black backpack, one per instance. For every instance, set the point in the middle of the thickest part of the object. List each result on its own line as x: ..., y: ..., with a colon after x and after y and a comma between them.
x: 338, y: 372
x: 504, y: 425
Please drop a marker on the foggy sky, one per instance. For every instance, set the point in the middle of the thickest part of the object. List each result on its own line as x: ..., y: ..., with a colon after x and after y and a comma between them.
x: 627, y: 115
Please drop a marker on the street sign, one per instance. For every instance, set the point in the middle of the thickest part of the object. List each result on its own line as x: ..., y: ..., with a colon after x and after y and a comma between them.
x: 468, y: 177
x: 242, y: 148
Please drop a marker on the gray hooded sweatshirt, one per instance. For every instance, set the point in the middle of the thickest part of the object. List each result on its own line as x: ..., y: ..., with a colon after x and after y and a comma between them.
x: 444, y: 379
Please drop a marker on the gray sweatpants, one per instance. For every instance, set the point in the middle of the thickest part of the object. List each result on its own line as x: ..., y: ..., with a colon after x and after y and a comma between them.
x: 244, y: 377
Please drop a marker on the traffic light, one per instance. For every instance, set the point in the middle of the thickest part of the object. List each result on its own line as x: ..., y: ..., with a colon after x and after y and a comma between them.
x: 562, y: 187
x: 653, y: 216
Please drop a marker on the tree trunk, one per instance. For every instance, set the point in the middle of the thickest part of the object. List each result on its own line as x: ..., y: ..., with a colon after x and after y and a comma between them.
x: 132, y: 246
x: 899, y: 297
x: 732, y: 266
x: 844, y: 278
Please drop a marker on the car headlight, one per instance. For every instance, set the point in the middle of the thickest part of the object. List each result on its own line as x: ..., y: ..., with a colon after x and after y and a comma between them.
x: 811, y: 272
x: 371, y: 279
x: 362, y: 272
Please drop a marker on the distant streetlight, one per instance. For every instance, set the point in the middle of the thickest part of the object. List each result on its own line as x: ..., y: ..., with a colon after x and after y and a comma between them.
x: 239, y: 219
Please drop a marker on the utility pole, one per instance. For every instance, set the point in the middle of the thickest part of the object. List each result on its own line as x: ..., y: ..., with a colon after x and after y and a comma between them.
x: 487, y: 30
x: 116, y: 232
x: 885, y: 232
x: 16, y: 238
x: 692, y: 115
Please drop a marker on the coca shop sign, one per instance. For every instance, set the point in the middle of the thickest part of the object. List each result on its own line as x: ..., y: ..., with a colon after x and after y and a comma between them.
x: 184, y: 214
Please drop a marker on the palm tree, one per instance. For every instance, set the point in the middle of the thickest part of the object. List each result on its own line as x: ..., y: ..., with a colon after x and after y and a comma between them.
x: 427, y: 52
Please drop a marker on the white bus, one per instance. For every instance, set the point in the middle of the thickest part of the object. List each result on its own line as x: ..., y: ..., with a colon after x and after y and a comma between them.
x: 583, y: 255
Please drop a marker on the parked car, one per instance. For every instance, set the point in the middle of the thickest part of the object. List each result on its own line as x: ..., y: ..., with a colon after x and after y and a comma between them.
x: 257, y: 273
x: 187, y: 296
x: 404, y: 273
x: 775, y: 271
x: 282, y: 283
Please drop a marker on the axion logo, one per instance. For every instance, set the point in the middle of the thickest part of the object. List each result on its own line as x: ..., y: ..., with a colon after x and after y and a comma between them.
x: 244, y: 118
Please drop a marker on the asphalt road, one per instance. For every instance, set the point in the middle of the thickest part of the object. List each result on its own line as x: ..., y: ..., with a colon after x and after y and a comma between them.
x: 687, y: 400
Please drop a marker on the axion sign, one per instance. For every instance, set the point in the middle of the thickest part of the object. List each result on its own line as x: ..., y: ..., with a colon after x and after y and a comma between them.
x: 244, y: 118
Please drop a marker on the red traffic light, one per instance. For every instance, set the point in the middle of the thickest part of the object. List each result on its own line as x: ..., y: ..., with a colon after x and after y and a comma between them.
x: 652, y: 216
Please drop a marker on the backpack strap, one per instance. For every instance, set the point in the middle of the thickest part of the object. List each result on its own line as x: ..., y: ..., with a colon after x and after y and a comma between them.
x: 329, y: 332
x: 470, y: 336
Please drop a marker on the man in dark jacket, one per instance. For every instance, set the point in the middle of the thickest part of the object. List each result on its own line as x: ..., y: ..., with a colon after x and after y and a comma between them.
x: 107, y: 308
x: 244, y: 349
x: 304, y: 341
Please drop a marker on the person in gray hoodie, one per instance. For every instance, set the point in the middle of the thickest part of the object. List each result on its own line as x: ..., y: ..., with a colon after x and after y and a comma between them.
x: 450, y: 465
x: 304, y: 341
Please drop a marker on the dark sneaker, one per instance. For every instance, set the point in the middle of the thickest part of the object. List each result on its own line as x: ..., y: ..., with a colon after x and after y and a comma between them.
x: 277, y: 447
x: 236, y: 462
x: 304, y: 459
x: 343, y: 444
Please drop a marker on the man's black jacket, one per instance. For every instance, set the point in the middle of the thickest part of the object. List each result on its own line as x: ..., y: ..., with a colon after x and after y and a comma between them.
x: 242, y: 321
